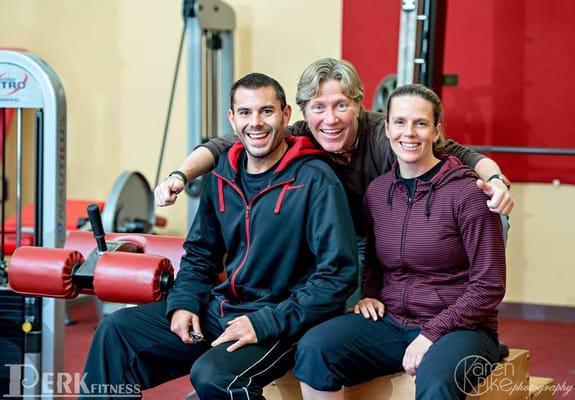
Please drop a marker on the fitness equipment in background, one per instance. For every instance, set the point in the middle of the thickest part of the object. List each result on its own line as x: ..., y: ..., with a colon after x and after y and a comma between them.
x: 384, y: 89
x: 27, y: 82
x: 421, y: 47
x: 129, y: 207
x: 65, y: 273
x: 208, y: 26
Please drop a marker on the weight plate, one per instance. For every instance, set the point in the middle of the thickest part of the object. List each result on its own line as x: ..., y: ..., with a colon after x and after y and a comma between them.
x: 384, y: 89
x: 130, y: 205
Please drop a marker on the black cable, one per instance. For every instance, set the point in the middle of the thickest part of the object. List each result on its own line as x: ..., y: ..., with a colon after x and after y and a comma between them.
x: 167, y: 124
x: 2, y: 207
x: 39, y: 188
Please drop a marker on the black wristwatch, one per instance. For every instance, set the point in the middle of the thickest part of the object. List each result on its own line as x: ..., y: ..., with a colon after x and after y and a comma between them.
x: 183, y: 176
x: 502, y: 178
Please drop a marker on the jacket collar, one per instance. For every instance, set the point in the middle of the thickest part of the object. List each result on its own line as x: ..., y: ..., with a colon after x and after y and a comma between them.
x: 451, y: 170
x: 298, y: 147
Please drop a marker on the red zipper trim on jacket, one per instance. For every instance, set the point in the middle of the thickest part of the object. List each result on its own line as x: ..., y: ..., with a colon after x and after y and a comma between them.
x: 247, y: 222
x: 221, y: 195
x: 281, y: 199
x: 222, y: 307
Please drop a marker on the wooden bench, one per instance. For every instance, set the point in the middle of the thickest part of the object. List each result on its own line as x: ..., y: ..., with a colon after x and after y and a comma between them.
x: 540, y: 388
x: 509, y: 380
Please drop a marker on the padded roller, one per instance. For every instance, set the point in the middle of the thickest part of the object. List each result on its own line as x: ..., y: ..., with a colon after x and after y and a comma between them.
x: 170, y: 247
x: 132, y: 278
x: 40, y: 271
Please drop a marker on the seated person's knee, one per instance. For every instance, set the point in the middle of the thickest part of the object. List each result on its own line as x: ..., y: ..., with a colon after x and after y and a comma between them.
x: 205, y: 379
x: 314, y: 345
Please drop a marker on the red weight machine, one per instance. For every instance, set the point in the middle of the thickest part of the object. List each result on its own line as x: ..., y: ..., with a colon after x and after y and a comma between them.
x: 116, y: 267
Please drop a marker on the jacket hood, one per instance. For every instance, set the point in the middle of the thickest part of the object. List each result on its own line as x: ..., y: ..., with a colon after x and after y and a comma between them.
x: 298, y: 147
x: 451, y: 170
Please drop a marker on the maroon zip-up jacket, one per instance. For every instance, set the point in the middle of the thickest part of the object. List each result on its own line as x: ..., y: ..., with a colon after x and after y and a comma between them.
x: 436, y: 260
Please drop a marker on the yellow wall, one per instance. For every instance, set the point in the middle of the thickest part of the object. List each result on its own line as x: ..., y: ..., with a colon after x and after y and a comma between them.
x: 541, y: 264
x: 116, y: 60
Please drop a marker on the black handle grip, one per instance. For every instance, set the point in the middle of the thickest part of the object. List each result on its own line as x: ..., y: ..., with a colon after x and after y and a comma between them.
x: 97, y: 228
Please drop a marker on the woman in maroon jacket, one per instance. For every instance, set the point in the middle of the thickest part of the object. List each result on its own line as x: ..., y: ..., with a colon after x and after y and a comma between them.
x: 434, y: 274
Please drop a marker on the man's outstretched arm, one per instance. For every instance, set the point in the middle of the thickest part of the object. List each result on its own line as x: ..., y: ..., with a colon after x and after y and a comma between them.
x: 200, y: 161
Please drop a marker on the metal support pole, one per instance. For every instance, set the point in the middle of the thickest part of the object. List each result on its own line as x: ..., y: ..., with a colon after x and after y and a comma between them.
x: 407, y: 36
x: 421, y: 43
x: 4, y: 198
x: 195, y: 89
x: 547, y: 151
x: 209, y: 25
x: 28, y: 82
x: 214, y: 46
x: 226, y: 79
x: 18, y: 177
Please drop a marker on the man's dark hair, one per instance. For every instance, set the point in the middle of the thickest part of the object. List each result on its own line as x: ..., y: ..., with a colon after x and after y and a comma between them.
x: 255, y: 80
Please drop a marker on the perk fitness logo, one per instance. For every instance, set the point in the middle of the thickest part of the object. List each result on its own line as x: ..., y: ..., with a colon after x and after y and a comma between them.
x: 61, y: 385
x: 475, y: 376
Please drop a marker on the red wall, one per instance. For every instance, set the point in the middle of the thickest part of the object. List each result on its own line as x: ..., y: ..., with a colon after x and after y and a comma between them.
x: 516, y: 65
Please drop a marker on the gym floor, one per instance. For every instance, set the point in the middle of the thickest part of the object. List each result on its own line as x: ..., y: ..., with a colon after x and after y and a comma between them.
x: 552, y: 353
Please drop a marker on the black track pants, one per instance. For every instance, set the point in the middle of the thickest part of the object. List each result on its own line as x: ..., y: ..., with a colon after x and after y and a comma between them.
x: 351, y: 349
x: 133, y: 349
